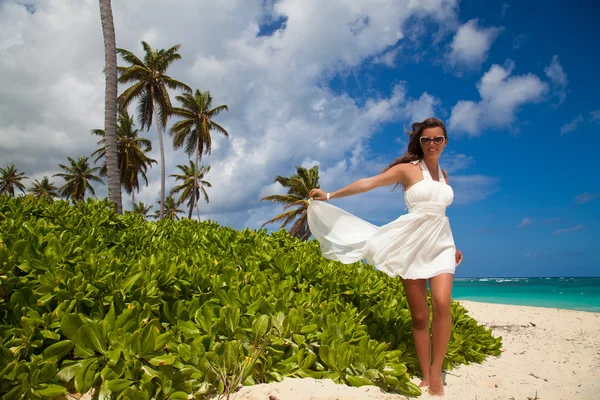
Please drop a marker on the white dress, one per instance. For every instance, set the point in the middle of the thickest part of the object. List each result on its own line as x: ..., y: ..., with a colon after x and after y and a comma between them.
x: 417, y: 245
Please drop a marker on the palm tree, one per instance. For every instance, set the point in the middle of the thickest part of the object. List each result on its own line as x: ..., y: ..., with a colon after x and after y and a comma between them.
x: 298, y: 185
x: 171, y: 209
x: 110, y: 104
x: 190, y: 181
x: 77, y: 179
x: 45, y: 188
x: 193, y: 130
x: 132, y: 158
x: 149, y: 84
x: 141, y: 208
x: 10, y: 179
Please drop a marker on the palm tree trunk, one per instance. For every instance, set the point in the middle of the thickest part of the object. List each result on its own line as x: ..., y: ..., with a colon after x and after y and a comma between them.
x: 110, y: 105
x: 191, y: 208
x: 132, y: 199
x: 162, y: 162
x: 196, y: 189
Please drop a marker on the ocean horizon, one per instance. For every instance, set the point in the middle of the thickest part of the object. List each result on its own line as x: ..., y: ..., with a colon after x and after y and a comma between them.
x: 570, y: 293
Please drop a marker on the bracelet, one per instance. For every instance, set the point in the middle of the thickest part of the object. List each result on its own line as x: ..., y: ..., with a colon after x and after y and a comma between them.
x: 328, y: 196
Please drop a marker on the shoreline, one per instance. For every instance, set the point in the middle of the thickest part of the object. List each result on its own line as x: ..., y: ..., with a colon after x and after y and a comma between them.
x: 547, y: 354
x: 502, y: 303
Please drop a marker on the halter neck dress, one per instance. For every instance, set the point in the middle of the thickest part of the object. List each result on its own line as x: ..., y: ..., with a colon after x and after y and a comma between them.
x: 417, y: 245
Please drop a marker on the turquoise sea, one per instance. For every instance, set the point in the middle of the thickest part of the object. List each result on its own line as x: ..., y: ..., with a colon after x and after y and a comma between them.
x: 567, y: 293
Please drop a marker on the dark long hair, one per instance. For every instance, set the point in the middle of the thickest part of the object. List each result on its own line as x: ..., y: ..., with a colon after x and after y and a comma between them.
x: 414, y: 151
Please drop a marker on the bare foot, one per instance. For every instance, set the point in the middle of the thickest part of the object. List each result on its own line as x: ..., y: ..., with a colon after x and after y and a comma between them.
x: 436, y: 388
x: 424, y: 382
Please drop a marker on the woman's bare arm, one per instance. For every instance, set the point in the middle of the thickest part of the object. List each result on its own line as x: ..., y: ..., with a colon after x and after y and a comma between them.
x: 389, y: 177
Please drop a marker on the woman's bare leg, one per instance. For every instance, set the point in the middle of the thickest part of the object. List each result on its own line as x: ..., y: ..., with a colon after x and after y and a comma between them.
x: 441, y: 294
x: 416, y: 295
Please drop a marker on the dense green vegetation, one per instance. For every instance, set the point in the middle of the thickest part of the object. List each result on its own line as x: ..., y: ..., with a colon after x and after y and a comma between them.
x: 135, y: 309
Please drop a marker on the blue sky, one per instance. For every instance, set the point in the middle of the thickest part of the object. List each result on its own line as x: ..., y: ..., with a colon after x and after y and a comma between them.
x: 543, y: 220
x: 333, y: 83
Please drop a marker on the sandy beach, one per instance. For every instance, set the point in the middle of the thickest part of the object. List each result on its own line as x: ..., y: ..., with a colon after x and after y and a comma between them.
x: 547, y: 354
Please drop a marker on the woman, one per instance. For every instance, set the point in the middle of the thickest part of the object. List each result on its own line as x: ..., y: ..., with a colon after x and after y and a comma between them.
x: 416, y: 247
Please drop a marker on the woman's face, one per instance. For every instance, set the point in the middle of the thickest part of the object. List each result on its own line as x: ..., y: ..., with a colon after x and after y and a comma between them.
x: 432, y: 142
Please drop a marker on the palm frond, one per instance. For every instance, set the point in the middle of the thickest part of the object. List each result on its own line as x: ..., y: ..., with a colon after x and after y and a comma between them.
x: 174, y: 84
x: 131, y: 94
x: 129, y: 57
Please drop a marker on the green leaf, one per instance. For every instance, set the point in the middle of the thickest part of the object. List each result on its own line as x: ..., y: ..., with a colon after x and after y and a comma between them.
x: 110, y: 318
x: 50, y: 335
x: 114, y: 355
x: 118, y: 385
x: 309, y: 328
x: 178, y: 396
x: 184, y: 352
x: 67, y: 372
x: 255, y: 306
x: 6, y: 357
x: 395, y: 370
x: 111, y: 373
x: 14, y: 393
x: 91, y: 338
x: 232, y: 318
x: 127, y: 319
x: 149, y: 373
x: 356, y: 381
x: 409, y: 388
x: 260, y: 326
x: 48, y: 390
x: 83, y: 352
x: 130, y: 281
x: 148, y: 339
x: 372, y: 374
x: 136, y: 342
x: 84, y: 377
x: 166, y: 359
x: 70, y: 325
x: 327, y: 356
x: 162, y: 340
x: 58, y: 350
x: 47, y: 372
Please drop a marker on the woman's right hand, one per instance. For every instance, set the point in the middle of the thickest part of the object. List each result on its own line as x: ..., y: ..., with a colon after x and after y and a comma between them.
x: 317, y: 194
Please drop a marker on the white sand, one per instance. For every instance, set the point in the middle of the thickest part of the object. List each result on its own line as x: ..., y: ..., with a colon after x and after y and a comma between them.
x: 557, y: 358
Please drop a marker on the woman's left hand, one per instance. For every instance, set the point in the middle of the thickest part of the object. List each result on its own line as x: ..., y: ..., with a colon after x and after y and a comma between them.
x: 317, y: 194
x: 459, y: 257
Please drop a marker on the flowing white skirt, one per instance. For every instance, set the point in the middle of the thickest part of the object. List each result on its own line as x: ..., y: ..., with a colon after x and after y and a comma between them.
x: 417, y: 245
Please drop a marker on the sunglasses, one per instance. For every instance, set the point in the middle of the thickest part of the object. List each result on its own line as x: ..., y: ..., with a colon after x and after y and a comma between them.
x: 427, y: 140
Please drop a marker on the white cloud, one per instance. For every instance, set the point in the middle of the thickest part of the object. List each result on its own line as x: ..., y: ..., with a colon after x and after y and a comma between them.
x: 272, y: 189
x: 422, y: 108
x: 568, y: 230
x: 571, y: 126
x: 281, y: 112
x: 519, y: 40
x: 387, y: 58
x: 586, y: 197
x: 471, y: 44
x: 482, y: 231
x: 525, y: 223
x: 558, y: 77
x: 501, y: 96
x: 452, y: 161
x: 472, y: 188
x: 595, y: 115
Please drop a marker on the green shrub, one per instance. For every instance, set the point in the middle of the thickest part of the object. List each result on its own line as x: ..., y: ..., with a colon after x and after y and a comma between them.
x: 133, y: 309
